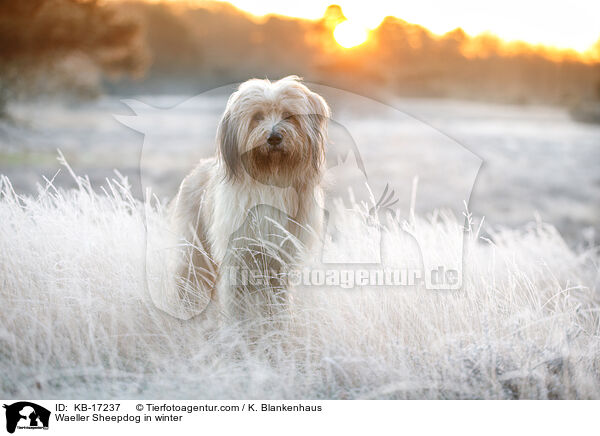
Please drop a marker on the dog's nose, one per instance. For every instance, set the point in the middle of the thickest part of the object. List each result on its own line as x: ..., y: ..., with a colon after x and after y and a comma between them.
x: 274, y: 139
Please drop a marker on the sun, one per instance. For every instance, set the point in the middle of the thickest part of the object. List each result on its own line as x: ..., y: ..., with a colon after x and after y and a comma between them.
x: 348, y: 34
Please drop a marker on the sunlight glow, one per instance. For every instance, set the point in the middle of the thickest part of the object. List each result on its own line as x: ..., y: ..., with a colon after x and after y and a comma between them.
x: 348, y: 34
x: 572, y: 24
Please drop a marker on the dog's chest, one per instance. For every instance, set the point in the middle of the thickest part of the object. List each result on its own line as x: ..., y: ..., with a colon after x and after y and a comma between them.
x: 250, y: 214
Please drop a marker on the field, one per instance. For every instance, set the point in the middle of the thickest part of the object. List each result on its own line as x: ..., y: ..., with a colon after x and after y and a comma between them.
x: 77, y: 320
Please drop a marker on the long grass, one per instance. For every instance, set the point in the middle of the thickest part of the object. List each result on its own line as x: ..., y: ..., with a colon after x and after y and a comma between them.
x: 77, y: 320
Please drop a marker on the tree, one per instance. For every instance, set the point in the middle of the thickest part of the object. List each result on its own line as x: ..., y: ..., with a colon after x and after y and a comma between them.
x: 37, y: 35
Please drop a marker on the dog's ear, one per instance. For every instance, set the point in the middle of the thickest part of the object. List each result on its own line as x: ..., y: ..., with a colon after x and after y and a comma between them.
x: 319, y: 105
x: 318, y: 120
x: 227, y: 144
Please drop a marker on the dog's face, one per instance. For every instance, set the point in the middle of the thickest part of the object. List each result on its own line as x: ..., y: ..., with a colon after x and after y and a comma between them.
x: 274, y: 131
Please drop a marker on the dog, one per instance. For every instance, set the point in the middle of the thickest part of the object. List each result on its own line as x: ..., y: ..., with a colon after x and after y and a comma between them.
x: 252, y: 210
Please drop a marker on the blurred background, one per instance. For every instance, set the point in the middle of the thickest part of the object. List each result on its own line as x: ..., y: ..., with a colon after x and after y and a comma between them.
x: 514, y: 87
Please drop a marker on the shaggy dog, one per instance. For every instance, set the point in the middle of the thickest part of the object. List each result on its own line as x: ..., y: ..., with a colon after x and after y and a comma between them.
x: 253, y: 209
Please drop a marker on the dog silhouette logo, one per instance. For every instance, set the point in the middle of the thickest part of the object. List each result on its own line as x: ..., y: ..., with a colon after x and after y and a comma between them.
x: 26, y: 415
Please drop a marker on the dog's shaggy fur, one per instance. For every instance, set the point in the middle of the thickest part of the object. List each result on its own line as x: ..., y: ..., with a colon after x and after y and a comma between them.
x: 249, y: 211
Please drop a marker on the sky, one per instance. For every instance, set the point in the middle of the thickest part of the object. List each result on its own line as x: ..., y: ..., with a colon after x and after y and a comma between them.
x: 571, y: 24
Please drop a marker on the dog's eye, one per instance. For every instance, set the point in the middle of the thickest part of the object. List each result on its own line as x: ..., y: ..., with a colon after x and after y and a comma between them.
x: 258, y: 116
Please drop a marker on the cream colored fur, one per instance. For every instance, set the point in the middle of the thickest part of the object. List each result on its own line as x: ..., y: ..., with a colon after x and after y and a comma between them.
x: 253, y: 205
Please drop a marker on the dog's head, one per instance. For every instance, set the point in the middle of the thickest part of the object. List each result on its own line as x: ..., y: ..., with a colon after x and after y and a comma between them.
x: 274, y: 131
